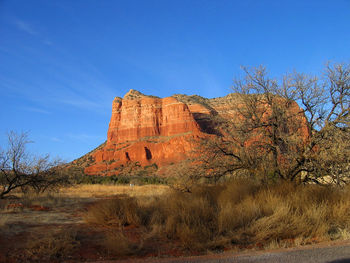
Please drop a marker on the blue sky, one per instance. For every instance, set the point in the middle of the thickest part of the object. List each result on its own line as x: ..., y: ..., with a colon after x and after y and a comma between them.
x: 63, y: 62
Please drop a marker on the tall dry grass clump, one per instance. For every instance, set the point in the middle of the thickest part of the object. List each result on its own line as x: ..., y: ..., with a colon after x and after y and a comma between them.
x: 115, y: 212
x: 241, y: 212
x: 52, y: 247
x: 190, y: 218
x: 117, y: 244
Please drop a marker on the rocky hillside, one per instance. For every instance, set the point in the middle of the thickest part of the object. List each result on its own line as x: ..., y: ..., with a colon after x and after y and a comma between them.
x: 154, y: 131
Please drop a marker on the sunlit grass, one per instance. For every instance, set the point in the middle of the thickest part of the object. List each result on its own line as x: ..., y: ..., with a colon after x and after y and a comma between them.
x: 242, y: 213
x: 98, y: 190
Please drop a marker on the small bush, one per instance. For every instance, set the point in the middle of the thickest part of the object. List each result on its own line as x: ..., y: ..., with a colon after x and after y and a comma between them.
x: 117, y: 212
x: 117, y: 179
x: 117, y: 244
x: 53, y: 246
x: 191, y: 219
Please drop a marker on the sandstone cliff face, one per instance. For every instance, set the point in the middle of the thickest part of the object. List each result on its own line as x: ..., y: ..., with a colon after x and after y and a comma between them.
x: 138, y: 116
x: 150, y: 130
x: 147, y: 130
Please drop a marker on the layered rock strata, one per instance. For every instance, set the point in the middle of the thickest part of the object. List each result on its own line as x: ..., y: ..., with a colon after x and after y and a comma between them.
x: 149, y: 130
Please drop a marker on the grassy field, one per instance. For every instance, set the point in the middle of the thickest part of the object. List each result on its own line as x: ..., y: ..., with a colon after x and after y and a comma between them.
x: 98, y: 190
x: 96, y: 222
x: 237, y: 214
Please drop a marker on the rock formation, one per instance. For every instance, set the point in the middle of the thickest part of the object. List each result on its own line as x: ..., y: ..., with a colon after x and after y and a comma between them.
x: 150, y: 130
x: 147, y: 130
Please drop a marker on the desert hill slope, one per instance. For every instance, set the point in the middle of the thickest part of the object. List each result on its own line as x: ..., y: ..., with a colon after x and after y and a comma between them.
x: 155, y: 131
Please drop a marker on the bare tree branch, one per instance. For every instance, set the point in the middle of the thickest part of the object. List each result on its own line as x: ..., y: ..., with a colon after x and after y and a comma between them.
x: 19, y: 170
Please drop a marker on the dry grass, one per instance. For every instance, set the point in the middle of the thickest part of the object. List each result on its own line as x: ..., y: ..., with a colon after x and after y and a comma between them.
x: 98, y: 190
x: 52, y: 246
x: 47, y: 199
x: 3, y: 220
x: 87, y: 191
x: 71, y: 195
x: 188, y: 218
x: 114, y: 212
x: 238, y: 213
x: 36, y: 222
x: 117, y: 244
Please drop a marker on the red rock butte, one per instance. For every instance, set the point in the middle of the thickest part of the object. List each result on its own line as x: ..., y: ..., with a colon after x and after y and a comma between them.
x: 151, y: 130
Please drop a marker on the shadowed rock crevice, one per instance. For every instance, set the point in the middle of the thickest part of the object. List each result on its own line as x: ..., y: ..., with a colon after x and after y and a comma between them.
x: 206, y: 123
x: 148, y: 154
x: 127, y: 156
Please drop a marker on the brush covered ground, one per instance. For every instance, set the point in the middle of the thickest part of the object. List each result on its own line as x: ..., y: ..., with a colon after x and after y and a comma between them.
x: 50, y: 227
x: 99, y: 222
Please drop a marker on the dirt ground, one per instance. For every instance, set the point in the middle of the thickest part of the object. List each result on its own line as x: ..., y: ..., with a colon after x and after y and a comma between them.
x: 52, y: 227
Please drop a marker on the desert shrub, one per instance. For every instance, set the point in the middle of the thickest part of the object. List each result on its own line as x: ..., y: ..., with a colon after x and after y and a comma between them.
x: 117, y: 244
x: 3, y: 204
x: 117, y: 179
x: 47, y: 199
x: 152, y: 180
x: 303, y: 212
x: 238, y: 189
x: 57, y: 245
x: 3, y: 220
x: 92, y: 179
x: 191, y: 218
x: 240, y: 212
x: 116, y: 211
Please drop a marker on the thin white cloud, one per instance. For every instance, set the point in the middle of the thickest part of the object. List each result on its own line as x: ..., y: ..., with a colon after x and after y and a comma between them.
x: 65, y: 80
x: 38, y: 110
x: 27, y: 28
x: 24, y: 26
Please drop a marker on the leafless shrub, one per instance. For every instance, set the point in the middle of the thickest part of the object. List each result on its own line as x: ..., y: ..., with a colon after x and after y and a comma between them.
x: 21, y: 171
x: 185, y: 175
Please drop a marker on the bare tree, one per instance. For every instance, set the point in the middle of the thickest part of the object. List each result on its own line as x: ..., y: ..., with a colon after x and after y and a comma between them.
x: 184, y: 175
x: 284, y: 129
x: 20, y: 170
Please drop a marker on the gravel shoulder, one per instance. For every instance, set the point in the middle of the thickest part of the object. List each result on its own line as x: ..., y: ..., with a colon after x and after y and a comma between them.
x: 332, y: 252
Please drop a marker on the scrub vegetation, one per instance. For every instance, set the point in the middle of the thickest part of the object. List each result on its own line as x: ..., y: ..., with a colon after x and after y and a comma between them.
x: 240, y: 213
